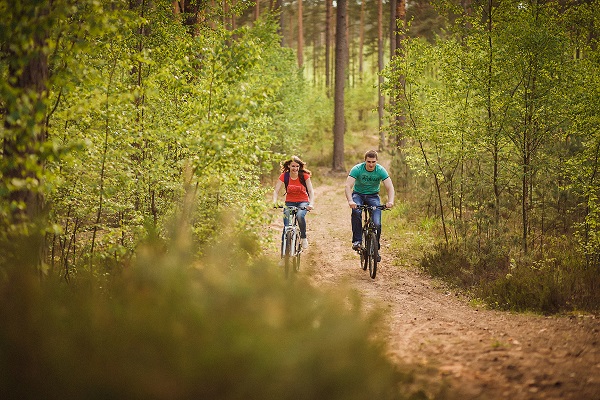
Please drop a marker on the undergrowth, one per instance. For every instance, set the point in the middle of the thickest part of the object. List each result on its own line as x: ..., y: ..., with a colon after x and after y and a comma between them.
x: 556, y: 281
x: 549, y: 284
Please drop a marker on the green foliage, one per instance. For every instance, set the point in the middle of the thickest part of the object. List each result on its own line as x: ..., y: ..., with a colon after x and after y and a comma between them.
x: 315, y: 144
x: 164, y: 330
x: 142, y: 110
x: 499, y: 133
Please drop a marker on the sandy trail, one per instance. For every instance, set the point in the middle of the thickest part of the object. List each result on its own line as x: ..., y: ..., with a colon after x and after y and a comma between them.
x: 477, y: 353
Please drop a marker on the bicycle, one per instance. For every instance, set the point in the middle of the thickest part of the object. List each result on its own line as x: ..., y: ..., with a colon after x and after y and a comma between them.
x: 292, y: 243
x: 369, y: 251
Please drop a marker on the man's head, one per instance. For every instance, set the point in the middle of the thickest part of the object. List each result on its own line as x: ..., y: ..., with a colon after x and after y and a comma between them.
x: 370, y: 160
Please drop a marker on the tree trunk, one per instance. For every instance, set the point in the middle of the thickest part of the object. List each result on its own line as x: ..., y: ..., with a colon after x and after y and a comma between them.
x: 23, y: 139
x: 392, y: 28
x: 328, y: 7
x: 300, y: 35
x: 361, y: 42
x: 490, y: 128
x: 279, y: 9
x: 380, y: 68
x: 341, y: 55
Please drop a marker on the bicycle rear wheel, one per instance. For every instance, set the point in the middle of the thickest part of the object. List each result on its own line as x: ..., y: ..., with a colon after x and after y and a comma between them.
x: 288, y: 253
x: 373, y: 253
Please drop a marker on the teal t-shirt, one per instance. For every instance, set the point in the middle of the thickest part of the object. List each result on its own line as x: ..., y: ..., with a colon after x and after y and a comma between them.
x: 368, y: 182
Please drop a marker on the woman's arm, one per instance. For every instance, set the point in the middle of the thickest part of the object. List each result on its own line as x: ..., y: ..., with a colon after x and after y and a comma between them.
x: 311, y: 194
x: 276, y: 191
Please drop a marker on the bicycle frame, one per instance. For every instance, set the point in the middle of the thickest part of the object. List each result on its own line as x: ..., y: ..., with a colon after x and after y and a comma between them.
x: 294, y: 229
x: 369, y: 252
x: 291, y: 247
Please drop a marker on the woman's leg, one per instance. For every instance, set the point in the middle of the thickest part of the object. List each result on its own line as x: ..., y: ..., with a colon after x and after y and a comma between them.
x: 301, y: 216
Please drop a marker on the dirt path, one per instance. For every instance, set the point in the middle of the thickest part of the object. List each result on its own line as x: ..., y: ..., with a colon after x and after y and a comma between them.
x: 478, y: 353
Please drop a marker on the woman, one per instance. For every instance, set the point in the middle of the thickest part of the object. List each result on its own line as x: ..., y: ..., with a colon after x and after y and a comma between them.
x: 299, y: 192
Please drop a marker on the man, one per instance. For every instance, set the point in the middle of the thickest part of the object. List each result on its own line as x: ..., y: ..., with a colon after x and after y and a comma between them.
x: 362, y: 188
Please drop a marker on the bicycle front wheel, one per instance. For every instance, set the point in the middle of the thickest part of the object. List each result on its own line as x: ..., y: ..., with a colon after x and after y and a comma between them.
x: 288, y: 253
x: 297, y: 252
x: 373, y: 253
x: 364, y: 254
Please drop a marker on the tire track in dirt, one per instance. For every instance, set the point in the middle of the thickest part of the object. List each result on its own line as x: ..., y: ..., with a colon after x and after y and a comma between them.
x: 477, y: 353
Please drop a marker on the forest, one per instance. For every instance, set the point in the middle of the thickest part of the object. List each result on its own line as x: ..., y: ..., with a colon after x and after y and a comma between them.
x: 140, y: 139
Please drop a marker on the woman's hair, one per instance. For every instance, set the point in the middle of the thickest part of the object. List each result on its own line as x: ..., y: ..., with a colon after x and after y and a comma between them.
x: 285, y: 167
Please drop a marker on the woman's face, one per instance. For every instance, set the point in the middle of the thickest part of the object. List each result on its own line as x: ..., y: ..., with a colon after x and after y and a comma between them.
x: 294, y: 166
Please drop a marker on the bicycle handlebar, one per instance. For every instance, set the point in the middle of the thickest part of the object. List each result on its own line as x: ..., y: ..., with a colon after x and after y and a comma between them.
x: 364, y: 207
x: 292, y: 208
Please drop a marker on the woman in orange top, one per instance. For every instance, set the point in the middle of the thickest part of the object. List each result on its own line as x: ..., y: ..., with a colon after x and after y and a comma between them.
x: 299, y: 192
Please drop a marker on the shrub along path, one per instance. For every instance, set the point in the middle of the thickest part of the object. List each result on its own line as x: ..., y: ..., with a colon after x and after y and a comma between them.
x: 473, y: 352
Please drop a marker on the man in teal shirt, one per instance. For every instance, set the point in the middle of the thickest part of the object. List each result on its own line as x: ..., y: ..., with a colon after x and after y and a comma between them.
x: 362, y: 188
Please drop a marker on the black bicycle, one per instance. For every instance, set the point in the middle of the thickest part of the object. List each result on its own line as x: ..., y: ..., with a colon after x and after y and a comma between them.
x: 292, y: 244
x: 369, y: 251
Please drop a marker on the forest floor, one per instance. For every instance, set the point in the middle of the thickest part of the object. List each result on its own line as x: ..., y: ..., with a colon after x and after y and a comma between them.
x: 456, y: 350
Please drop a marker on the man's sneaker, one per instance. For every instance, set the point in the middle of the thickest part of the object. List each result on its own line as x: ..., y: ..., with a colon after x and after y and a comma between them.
x: 304, y: 244
x: 356, y: 246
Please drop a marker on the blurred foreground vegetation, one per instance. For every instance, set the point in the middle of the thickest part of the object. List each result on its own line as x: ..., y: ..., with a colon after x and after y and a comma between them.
x: 166, y: 327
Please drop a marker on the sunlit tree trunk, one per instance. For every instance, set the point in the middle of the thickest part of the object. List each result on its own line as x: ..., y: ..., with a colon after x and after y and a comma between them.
x: 300, y: 35
x: 279, y: 9
x: 328, y: 7
x: 177, y: 8
x: 400, y: 166
x: 361, y: 42
x: 341, y: 55
x: 380, y: 68
x: 393, y: 28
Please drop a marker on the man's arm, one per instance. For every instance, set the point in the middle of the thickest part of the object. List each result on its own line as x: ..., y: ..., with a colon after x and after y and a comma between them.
x: 389, y: 188
x: 349, y: 186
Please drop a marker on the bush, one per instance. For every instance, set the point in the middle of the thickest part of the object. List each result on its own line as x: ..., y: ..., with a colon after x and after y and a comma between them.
x: 465, y: 268
x: 553, y: 282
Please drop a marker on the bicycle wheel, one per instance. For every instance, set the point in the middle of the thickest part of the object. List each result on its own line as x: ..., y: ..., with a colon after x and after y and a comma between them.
x: 364, y: 255
x: 288, y: 253
x: 297, y: 252
x: 373, y: 252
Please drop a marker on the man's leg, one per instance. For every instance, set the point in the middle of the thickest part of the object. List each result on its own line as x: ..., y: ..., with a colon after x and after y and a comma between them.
x: 356, y: 220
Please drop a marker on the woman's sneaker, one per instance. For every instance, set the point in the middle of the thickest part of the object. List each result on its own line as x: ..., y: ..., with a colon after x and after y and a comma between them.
x: 304, y: 244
